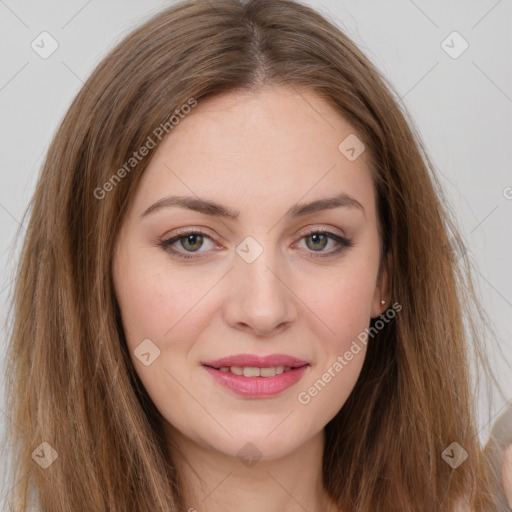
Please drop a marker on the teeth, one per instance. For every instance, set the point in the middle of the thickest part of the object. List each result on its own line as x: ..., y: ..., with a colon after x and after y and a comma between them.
x: 268, y: 372
x: 237, y: 370
x: 253, y: 371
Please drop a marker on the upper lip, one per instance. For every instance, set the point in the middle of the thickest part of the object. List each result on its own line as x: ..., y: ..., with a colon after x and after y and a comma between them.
x: 257, y: 361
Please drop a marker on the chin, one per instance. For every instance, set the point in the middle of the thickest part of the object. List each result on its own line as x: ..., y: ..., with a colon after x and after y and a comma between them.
x: 262, y: 444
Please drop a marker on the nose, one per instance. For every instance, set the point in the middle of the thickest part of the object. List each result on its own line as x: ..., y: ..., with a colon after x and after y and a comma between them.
x: 261, y: 298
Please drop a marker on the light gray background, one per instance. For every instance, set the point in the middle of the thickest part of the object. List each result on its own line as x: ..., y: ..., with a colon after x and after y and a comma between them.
x: 462, y: 108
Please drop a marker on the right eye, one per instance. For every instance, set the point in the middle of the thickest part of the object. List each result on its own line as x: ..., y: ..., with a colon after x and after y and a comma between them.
x: 191, y: 240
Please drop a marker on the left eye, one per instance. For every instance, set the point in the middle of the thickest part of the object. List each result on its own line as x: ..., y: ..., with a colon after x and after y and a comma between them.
x: 192, y: 241
x: 319, y: 240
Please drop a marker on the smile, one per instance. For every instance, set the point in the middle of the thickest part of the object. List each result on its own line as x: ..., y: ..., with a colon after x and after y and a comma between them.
x: 257, y: 376
x: 254, y: 371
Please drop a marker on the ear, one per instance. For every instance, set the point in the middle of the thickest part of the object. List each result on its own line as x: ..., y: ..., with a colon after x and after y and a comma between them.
x: 382, y: 287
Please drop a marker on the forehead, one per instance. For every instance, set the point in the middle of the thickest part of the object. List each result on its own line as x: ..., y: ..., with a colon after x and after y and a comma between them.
x: 272, y: 146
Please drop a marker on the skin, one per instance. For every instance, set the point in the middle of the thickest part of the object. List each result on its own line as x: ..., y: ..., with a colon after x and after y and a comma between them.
x: 507, y: 474
x: 258, y: 153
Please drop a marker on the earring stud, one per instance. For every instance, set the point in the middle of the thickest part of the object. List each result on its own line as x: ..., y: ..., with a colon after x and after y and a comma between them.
x: 383, y: 302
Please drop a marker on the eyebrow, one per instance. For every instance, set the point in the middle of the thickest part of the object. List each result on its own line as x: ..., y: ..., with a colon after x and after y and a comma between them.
x: 209, y: 207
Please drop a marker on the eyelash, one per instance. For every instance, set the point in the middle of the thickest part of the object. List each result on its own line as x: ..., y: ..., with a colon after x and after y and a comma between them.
x: 343, y: 243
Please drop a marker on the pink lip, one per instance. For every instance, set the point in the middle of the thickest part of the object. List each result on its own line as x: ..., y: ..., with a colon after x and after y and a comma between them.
x: 255, y: 387
x: 257, y: 361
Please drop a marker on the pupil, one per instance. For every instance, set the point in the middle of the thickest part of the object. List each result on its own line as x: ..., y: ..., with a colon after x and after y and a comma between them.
x: 318, y: 238
x: 190, y: 240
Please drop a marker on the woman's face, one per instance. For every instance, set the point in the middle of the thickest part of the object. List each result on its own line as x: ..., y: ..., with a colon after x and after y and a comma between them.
x: 258, y: 178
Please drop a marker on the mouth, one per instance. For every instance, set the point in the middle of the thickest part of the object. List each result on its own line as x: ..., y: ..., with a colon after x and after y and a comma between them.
x: 257, y: 376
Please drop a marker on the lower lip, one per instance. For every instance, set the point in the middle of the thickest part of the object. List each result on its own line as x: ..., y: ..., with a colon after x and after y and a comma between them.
x: 257, y: 386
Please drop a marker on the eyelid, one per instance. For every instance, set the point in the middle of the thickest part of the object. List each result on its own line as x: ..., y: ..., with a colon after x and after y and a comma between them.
x: 321, y: 228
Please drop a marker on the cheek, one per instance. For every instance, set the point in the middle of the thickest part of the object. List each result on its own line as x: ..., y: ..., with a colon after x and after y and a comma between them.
x: 166, y: 309
x: 344, y: 301
x: 154, y: 302
x: 343, y: 353
x: 345, y: 307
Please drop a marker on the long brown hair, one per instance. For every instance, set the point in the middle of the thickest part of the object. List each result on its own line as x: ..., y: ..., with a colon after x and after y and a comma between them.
x: 70, y: 381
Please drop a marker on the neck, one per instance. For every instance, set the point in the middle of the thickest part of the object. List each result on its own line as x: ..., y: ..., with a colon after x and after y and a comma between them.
x: 212, y: 481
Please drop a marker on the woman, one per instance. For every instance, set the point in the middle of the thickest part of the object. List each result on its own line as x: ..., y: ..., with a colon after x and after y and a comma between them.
x: 238, y: 287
